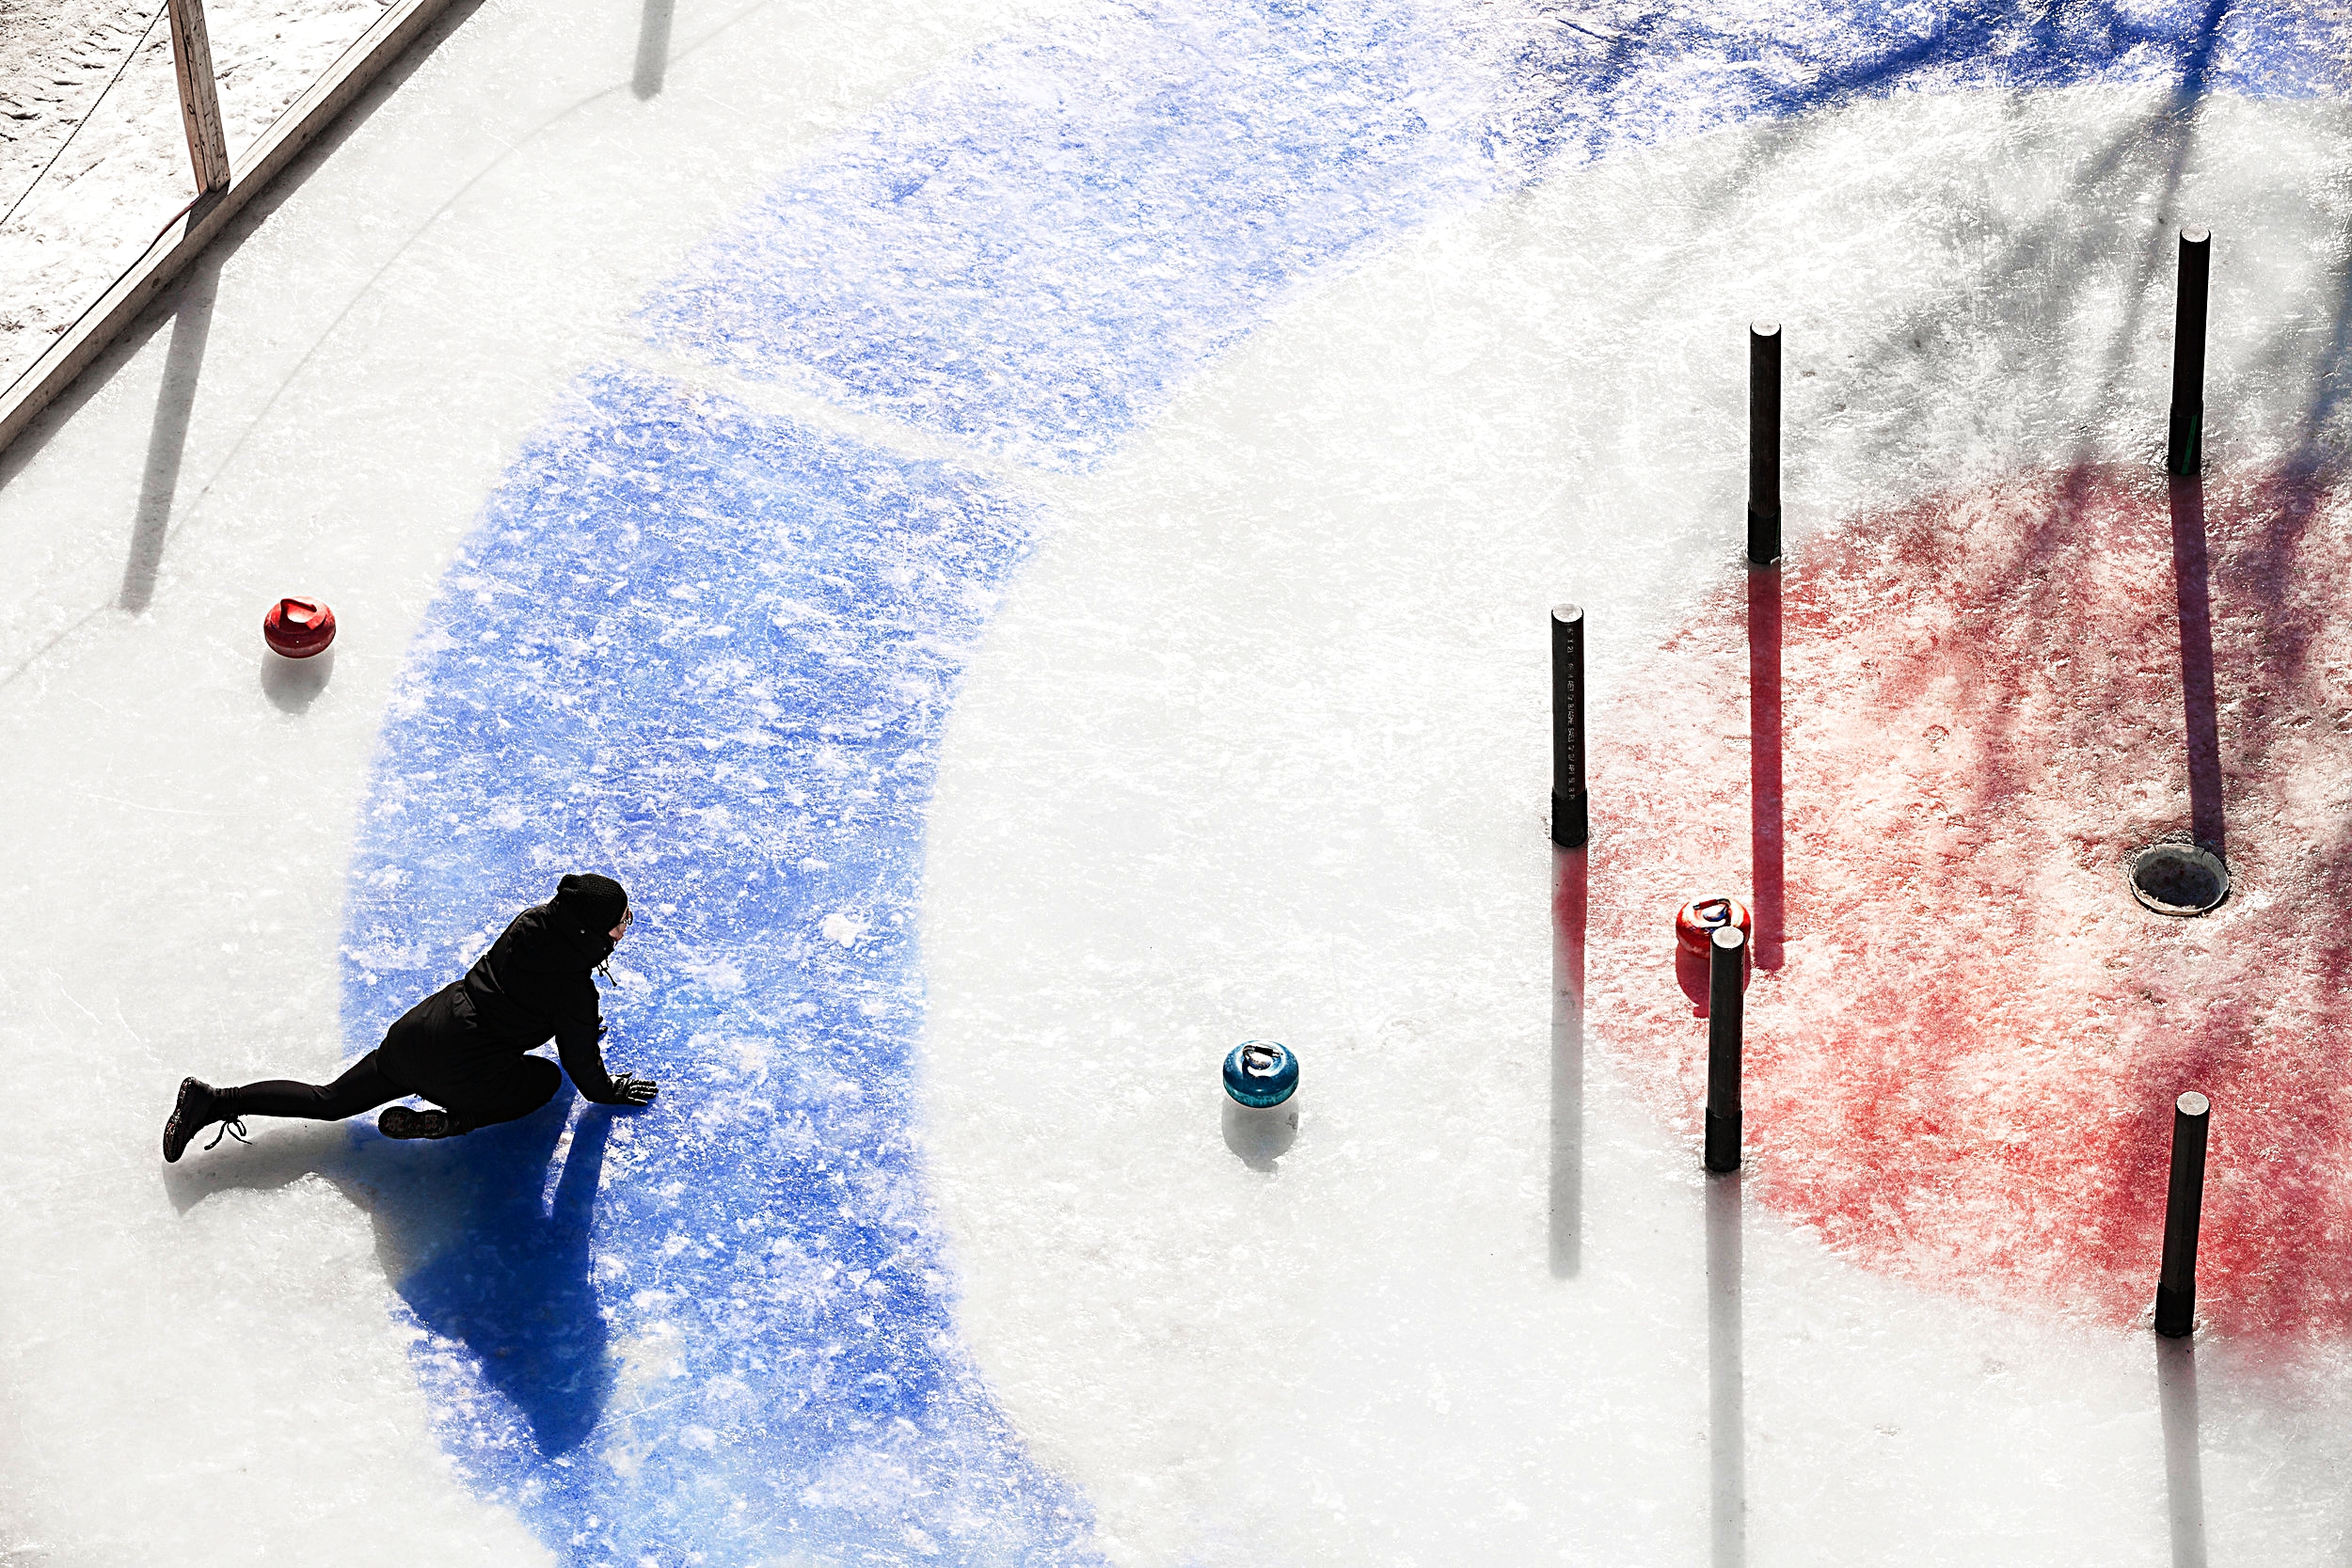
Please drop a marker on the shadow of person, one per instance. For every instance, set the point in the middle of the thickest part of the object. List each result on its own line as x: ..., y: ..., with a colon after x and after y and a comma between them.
x: 468, y: 1242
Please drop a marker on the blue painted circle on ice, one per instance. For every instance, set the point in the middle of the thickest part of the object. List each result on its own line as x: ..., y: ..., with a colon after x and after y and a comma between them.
x: 711, y: 651
x: 1260, y: 1072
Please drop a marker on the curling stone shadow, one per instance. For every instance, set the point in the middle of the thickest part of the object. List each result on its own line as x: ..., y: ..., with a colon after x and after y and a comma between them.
x: 1690, y: 973
x: 466, y: 1240
x: 1260, y: 1134
x: 294, y: 684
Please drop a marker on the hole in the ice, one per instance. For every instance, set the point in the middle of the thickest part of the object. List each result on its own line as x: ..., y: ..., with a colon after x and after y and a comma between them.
x: 2179, y: 879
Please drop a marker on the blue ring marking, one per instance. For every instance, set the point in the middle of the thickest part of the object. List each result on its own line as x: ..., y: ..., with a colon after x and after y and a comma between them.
x: 1029, y: 252
x: 732, y: 1335
x: 710, y: 653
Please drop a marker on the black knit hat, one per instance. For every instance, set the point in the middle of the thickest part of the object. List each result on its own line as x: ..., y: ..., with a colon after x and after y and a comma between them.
x: 589, y: 903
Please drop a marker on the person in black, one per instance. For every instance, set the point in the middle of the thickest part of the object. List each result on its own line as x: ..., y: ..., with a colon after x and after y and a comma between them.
x: 464, y: 1047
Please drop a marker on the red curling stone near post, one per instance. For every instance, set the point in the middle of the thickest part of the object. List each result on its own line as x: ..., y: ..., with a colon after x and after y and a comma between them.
x: 1699, y: 919
x: 299, y: 628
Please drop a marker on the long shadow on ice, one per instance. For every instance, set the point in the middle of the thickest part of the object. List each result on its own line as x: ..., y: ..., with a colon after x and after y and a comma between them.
x: 2183, y: 1482
x: 1727, y: 1376
x: 168, y: 440
x: 1767, y: 827
x: 653, y: 48
x: 1571, y: 888
x: 470, y: 1238
x: 2192, y: 577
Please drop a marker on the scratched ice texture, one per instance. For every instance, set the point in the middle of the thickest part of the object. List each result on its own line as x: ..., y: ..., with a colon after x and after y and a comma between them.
x: 1309, y: 803
x: 708, y: 652
x: 1967, y: 1036
x: 1027, y: 255
x: 1295, y: 351
x: 1031, y: 251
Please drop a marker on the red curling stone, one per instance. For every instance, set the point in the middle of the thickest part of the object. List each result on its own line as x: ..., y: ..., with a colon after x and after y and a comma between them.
x: 299, y: 628
x: 1700, y: 919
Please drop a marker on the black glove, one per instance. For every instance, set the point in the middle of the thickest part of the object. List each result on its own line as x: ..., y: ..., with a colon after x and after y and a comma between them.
x: 629, y: 1089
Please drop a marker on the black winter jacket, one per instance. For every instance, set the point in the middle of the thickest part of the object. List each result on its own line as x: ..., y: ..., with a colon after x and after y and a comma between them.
x: 538, y: 980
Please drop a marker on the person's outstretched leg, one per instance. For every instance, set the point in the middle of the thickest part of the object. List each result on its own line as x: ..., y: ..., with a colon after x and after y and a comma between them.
x: 363, y: 1087
x: 513, y: 1089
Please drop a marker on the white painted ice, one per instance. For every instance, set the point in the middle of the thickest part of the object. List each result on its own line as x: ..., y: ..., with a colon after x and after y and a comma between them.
x: 1258, y: 746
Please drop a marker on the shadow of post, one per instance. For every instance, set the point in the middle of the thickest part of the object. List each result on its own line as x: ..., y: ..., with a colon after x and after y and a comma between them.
x: 167, y: 436
x: 1569, y: 887
x: 2184, y: 1480
x: 1764, y: 814
x: 653, y: 48
x: 2192, y: 585
x: 466, y: 1241
x: 1726, y: 1423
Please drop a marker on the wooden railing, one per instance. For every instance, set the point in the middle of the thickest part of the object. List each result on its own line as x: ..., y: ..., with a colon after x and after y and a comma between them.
x: 221, y: 191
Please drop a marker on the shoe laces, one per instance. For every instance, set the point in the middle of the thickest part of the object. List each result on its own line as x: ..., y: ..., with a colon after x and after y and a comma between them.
x: 232, y: 1127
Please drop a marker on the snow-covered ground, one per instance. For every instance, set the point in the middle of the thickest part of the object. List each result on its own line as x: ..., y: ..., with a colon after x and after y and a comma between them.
x: 87, y: 94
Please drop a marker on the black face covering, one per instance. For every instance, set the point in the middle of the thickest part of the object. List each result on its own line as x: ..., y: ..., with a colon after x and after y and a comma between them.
x: 588, y: 904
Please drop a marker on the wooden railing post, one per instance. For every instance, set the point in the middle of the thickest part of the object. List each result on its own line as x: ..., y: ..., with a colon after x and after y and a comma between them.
x: 199, y: 100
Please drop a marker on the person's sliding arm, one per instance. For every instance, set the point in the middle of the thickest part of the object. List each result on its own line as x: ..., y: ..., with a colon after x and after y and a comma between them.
x: 576, y: 1042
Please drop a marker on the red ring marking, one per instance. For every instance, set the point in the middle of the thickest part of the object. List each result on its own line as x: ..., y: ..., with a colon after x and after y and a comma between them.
x: 1964, y: 1038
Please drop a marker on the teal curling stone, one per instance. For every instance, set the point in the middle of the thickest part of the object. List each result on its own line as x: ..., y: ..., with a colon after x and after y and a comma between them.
x: 1260, y: 1072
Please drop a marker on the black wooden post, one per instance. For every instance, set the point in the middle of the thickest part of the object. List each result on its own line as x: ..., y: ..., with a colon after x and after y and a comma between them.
x: 1763, y: 443
x: 2176, y: 1285
x: 1726, y: 977
x: 2184, y: 443
x: 1569, y: 823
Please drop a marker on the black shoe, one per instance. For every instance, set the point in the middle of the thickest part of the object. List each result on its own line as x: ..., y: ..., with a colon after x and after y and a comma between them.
x: 402, y: 1122
x: 199, y: 1107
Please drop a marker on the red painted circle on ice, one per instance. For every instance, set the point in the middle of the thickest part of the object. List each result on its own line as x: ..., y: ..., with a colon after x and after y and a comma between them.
x: 1965, y: 1035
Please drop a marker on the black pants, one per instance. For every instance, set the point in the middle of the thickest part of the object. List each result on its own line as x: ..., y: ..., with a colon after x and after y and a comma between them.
x: 431, y: 1053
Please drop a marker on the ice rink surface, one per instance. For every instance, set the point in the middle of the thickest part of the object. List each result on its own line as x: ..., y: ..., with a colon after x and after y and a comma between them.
x: 1022, y: 533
